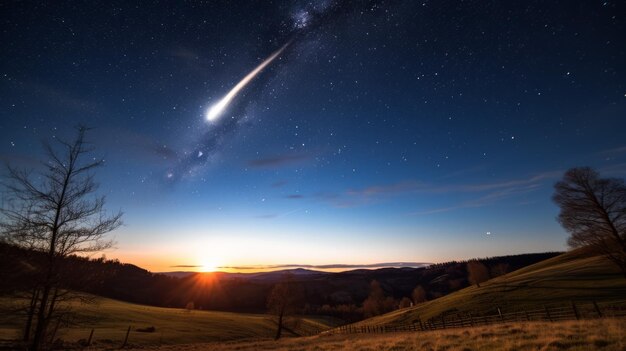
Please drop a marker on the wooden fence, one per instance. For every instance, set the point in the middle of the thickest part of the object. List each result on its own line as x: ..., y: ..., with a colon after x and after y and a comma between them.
x: 572, y: 311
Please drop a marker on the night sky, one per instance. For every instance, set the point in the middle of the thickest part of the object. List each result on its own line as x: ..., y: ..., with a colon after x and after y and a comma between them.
x: 400, y: 131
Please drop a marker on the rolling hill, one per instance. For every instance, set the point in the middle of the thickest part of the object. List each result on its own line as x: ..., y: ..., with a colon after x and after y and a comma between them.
x: 576, y: 276
x: 111, y: 319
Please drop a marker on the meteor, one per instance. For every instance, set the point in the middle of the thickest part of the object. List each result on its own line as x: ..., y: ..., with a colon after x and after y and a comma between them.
x: 216, y: 110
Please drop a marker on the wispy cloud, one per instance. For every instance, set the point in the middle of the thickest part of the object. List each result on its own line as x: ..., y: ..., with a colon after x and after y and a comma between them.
x: 487, y: 193
x: 328, y: 266
x: 186, y: 266
x: 613, y: 170
x: 485, y: 200
x: 278, y: 215
x: 614, y: 151
x: 279, y: 184
x: 278, y: 160
x: 407, y: 187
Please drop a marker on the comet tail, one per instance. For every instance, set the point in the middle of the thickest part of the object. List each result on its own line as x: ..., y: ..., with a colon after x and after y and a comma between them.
x: 216, y: 110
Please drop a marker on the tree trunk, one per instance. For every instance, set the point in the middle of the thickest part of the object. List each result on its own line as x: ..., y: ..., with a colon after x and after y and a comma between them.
x: 31, y: 314
x: 40, y: 327
x: 280, y: 327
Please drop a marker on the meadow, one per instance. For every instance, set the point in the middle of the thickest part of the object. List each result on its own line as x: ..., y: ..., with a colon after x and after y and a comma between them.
x: 602, y: 334
x: 110, y: 320
x: 571, y: 277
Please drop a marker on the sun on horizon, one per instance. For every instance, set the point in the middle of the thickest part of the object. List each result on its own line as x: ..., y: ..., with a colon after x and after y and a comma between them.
x: 209, y: 265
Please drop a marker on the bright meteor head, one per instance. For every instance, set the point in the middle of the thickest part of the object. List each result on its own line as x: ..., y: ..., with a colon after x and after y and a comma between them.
x: 214, y: 111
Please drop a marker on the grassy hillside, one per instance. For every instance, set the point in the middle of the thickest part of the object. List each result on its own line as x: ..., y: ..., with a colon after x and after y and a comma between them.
x: 111, y: 318
x: 574, y: 276
x: 604, y: 334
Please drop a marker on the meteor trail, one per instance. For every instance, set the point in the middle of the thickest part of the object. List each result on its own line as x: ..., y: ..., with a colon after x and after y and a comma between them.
x: 216, y: 110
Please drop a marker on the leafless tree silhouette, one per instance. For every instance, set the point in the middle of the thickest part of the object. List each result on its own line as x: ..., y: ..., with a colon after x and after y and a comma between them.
x: 55, y: 212
x: 283, y: 303
x: 593, y: 211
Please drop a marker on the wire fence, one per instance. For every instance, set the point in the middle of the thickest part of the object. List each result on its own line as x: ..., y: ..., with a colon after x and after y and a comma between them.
x: 572, y: 311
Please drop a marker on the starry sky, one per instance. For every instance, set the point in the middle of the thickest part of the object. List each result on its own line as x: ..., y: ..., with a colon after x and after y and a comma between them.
x: 384, y: 131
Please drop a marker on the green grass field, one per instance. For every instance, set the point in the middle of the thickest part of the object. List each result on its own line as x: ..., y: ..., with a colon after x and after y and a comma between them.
x: 571, y: 277
x: 111, y: 319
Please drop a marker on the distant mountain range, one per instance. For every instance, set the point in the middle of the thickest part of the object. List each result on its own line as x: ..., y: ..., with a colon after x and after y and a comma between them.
x: 275, y: 275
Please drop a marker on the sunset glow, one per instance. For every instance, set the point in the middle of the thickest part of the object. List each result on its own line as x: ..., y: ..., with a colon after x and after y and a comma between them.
x: 209, y: 266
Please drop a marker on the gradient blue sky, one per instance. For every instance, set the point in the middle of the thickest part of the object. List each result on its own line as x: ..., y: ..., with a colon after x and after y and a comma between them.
x: 385, y: 132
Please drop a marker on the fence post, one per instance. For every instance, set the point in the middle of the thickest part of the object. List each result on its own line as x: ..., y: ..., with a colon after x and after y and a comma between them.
x: 126, y: 338
x: 421, y: 325
x: 548, y: 313
x: 527, y: 316
x: 575, y: 311
x: 90, y: 336
x: 595, y: 305
x: 471, y: 318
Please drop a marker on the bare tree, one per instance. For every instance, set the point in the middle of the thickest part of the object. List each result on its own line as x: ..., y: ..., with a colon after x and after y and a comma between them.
x: 478, y: 273
x: 283, y: 303
x: 55, y: 212
x: 418, y: 295
x: 593, y: 211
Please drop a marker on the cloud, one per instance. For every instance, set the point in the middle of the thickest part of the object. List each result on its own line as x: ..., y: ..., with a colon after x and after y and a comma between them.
x: 278, y: 215
x: 410, y: 186
x: 613, y: 170
x: 485, y: 200
x: 278, y: 161
x: 329, y: 266
x: 613, y: 152
x: 490, y: 192
x: 388, y: 189
x: 186, y: 266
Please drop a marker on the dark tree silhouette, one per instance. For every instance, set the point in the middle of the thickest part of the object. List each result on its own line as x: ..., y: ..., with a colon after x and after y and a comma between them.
x: 55, y: 212
x: 499, y: 269
x: 593, y: 211
x: 405, y: 302
x: 376, y: 303
x: 283, y: 302
x: 478, y: 273
x: 418, y: 295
